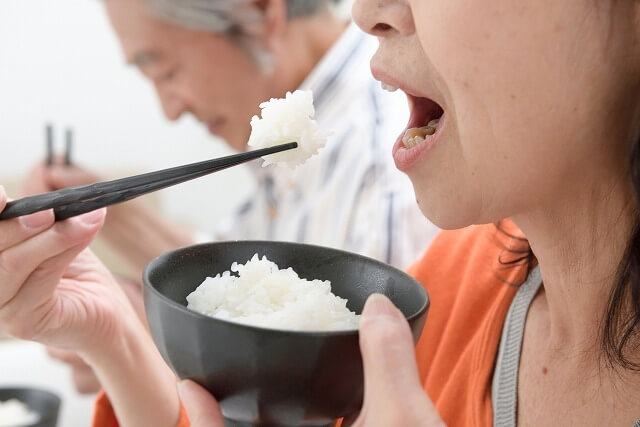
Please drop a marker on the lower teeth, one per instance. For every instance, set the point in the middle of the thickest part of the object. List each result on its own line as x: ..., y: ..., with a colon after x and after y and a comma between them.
x: 414, y: 136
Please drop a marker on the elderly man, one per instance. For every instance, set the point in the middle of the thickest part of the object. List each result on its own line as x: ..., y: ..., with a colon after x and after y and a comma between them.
x: 218, y: 60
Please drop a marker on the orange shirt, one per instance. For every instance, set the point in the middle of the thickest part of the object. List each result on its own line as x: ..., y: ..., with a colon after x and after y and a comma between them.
x: 470, y: 294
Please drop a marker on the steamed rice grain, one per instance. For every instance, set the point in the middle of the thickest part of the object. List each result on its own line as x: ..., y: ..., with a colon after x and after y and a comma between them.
x: 288, y: 120
x: 263, y: 295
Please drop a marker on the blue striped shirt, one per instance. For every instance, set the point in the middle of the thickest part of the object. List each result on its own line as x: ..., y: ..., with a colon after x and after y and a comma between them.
x: 350, y: 195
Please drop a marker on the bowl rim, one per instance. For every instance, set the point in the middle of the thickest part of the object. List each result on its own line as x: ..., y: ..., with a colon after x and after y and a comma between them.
x: 280, y: 332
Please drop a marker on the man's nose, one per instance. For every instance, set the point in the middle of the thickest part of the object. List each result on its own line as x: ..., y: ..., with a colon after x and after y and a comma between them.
x: 172, y: 104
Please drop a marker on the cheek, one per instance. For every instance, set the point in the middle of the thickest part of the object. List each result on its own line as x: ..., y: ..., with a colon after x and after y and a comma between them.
x: 516, y: 95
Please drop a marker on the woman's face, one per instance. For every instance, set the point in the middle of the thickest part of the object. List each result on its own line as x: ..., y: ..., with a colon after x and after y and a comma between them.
x: 534, y: 98
x: 194, y: 72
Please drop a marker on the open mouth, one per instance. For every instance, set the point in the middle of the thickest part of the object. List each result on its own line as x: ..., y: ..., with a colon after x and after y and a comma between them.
x: 424, y: 122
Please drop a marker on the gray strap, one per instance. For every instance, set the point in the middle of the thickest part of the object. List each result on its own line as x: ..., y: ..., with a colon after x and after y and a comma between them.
x: 504, y: 390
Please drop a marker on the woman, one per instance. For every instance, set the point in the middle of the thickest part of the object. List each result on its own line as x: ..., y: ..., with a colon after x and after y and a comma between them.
x: 539, y: 121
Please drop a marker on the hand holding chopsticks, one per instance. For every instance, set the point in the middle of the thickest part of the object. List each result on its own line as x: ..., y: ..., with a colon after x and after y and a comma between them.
x: 70, y: 202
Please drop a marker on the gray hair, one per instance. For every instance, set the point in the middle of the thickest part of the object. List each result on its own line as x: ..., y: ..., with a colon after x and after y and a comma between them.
x: 229, y: 17
x: 223, y: 16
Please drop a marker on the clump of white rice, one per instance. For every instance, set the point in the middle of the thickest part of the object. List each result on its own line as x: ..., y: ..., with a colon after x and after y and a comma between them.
x: 289, y: 119
x: 14, y: 413
x: 263, y: 295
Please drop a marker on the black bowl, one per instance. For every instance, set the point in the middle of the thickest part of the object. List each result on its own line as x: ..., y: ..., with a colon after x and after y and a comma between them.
x: 263, y: 376
x: 42, y: 402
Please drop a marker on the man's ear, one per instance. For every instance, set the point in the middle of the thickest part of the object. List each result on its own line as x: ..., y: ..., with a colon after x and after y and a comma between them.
x: 274, y: 23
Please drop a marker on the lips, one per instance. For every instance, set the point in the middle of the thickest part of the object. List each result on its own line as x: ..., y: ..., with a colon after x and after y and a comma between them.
x: 425, y: 126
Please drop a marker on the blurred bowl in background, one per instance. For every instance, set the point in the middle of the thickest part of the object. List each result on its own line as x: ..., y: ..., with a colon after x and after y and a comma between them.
x: 44, y: 404
x: 265, y: 376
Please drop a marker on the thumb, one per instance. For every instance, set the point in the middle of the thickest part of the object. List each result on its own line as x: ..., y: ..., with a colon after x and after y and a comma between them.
x: 387, y: 348
x: 201, y: 407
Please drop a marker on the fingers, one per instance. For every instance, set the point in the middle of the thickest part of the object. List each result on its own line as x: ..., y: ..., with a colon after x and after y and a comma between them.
x: 16, y: 230
x: 387, y: 348
x: 393, y: 394
x: 43, y: 258
x: 202, y: 408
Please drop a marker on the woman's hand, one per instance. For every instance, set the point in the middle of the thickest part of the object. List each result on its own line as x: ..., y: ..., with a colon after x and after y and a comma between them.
x: 393, y: 395
x: 55, y: 291
x: 52, y: 290
x: 83, y: 376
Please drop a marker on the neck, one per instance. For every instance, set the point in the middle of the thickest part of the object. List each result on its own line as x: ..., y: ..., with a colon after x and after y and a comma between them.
x: 579, y: 243
x: 304, y: 44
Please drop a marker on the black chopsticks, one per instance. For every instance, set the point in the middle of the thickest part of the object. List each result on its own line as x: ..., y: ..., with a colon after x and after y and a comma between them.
x: 74, y: 201
x: 49, y: 146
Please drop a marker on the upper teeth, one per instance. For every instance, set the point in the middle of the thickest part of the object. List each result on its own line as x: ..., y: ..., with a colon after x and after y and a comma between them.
x: 388, y: 87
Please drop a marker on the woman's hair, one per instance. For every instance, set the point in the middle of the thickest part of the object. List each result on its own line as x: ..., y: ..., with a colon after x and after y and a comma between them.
x: 229, y: 17
x: 621, y: 325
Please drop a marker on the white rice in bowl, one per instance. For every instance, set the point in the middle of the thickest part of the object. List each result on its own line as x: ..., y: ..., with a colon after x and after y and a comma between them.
x: 289, y: 119
x: 263, y: 295
x: 14, y: 413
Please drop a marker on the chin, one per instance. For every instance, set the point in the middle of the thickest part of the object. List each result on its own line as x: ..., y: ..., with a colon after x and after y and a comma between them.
x: 447, y: 213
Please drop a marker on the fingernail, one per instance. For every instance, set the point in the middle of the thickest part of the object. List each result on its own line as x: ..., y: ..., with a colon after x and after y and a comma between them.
x: 93, y: 217
x: 37, y: 220
x: 378, y: 305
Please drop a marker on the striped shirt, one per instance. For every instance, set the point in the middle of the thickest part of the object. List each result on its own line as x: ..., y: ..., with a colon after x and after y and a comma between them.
x: 350, y: 195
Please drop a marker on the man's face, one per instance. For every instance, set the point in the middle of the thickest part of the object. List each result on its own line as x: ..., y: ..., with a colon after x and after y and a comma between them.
x: 195, y: 72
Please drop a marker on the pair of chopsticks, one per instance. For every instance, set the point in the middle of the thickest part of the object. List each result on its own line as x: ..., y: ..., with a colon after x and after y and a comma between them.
x: 67, y: 147
x: 74, y: 201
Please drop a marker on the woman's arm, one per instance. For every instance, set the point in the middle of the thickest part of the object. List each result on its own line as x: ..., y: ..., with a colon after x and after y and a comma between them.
x: 55, y: 291
x: 140, y: 386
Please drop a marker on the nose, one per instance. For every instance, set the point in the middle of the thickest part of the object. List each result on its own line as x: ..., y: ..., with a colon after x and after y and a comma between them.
x: 172, y: 104
x: 384, y: 18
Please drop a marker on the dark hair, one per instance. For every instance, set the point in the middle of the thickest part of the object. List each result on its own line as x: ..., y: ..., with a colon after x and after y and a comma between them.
x: 620, y: 333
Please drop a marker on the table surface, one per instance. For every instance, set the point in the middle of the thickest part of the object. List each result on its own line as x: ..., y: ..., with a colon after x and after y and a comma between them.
x: 26, y: 364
